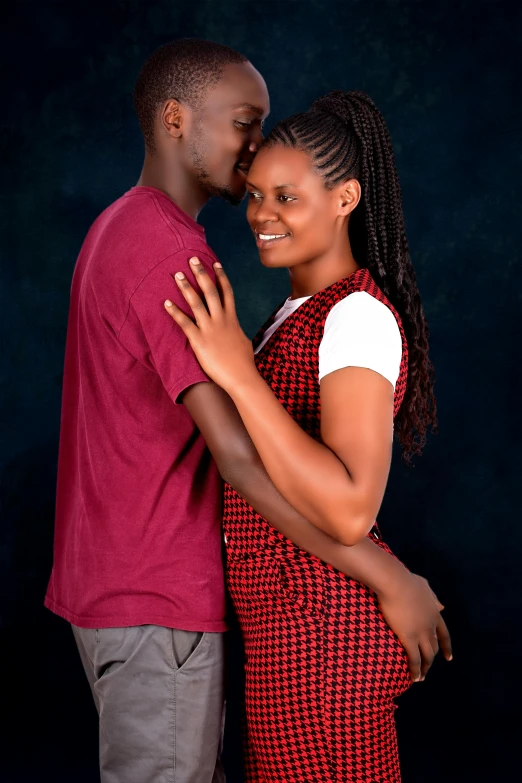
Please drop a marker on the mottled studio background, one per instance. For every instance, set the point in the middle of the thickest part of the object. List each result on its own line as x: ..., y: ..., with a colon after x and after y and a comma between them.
x: 447, y: 77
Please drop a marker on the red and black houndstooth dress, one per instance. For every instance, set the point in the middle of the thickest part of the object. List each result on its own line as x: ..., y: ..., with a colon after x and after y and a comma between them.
x: 322, y: 666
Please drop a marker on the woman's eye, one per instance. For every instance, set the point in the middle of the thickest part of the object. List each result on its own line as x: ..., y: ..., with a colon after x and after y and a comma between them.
x: 253, y: 196
x: 286, y: 199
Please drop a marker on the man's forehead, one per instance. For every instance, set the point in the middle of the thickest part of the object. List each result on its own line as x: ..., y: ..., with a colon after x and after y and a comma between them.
x: 250, y: 107
x: 241, y: 87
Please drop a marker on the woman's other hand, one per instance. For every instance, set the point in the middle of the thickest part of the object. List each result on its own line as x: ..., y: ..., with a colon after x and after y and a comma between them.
x: 221, y: 347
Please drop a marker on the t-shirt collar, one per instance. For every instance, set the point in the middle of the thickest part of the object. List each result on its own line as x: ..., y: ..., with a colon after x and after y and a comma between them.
x: 170, y: 208
x: 292, y: 303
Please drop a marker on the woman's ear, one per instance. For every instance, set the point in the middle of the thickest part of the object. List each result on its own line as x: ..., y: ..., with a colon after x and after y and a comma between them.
x: 348, y: 195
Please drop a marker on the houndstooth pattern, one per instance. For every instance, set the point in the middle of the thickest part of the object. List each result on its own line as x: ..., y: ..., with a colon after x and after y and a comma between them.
x: 322, y: 666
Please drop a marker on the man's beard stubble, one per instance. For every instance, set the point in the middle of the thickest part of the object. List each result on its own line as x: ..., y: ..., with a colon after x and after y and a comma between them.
x: 212, y: 188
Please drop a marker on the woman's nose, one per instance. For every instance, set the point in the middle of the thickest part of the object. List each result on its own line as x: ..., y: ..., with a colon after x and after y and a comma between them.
x: 266, y: 213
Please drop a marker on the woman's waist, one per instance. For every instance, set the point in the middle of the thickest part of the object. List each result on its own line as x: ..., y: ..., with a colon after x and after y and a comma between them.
x: 284, y: 573
x: 245, y: 531
x: 245, y: 536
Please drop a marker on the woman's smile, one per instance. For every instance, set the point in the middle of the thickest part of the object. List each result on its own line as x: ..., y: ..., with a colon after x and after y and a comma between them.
x: 266, y: 240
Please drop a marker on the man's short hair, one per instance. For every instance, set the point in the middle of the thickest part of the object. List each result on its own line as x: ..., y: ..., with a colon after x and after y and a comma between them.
x: 184, y: 69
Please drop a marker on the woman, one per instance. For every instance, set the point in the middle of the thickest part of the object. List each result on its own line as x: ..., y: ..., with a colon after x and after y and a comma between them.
x: 335, y: 368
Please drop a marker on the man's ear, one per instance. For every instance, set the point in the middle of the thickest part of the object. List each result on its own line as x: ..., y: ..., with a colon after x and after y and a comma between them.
x: 172, y: 118
x: 349, y: 195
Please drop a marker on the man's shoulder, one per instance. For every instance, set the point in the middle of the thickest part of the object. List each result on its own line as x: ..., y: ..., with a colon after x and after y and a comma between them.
x: 141, y: 221
x: 136, y: 233
x: 130, y: 244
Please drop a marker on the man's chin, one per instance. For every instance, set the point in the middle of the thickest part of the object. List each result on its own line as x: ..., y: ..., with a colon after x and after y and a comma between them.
x: 234, y: 197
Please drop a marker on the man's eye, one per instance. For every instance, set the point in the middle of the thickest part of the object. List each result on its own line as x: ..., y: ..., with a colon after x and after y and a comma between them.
x: 242, y: 125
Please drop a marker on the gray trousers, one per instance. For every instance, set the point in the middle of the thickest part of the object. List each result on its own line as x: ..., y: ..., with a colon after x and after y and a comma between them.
x: 160, y: 699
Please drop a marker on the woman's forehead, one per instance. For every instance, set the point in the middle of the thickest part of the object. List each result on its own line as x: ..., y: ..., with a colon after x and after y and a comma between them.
x: 277, y: 161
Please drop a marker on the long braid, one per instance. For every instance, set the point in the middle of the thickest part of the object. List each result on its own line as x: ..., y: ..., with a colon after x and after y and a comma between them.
x: 346, y: 137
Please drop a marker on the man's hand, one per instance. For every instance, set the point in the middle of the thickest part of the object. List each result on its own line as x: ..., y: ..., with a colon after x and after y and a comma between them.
x: 412, y: 611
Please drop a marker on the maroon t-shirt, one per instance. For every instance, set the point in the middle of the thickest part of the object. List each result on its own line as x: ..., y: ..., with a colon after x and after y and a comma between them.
x: 138, y: 513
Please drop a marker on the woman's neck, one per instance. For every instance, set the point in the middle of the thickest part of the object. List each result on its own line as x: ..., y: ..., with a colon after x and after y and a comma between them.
x: 308, y: 278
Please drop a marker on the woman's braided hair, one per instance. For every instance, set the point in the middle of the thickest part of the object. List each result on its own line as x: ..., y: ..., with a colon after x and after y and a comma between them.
x: 346, y: 137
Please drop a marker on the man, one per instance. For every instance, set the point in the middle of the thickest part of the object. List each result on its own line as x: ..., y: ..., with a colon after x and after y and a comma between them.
x: 137, y: 568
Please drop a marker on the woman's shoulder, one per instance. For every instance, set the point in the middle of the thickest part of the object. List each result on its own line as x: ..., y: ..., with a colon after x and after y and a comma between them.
x: 363, y: 308
x: 361, y: 331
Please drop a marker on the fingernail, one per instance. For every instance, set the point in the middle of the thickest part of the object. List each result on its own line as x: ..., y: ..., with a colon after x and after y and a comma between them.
x: 168, y: 303
x: 218, y: 265
x: 180, y: 275
x: 195, y: 261
x: 450, y: 658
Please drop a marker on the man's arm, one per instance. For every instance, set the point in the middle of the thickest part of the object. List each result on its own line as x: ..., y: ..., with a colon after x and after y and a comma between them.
x: 406, y: 600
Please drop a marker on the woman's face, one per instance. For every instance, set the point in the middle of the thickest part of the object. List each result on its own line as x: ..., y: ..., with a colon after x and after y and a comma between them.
x: 294, y: 218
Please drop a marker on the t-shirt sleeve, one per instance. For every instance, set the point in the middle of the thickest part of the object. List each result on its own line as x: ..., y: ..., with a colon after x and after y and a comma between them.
x: 361, y: 331
x: 150, y: 334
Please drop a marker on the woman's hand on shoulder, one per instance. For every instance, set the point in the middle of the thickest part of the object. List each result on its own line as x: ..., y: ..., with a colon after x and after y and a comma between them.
x: 221, y: 347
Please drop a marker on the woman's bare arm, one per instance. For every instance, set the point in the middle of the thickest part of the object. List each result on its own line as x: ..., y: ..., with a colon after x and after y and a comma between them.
x: 337, y: 484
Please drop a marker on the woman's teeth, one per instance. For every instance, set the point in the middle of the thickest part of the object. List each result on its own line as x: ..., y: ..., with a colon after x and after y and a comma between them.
x: 271, y: 236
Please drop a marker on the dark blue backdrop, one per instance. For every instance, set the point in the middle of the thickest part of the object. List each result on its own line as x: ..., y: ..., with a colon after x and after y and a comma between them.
x: 446, y: 75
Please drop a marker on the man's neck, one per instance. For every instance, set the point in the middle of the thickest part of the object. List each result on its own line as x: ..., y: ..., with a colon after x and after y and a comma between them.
x: 175, y: 182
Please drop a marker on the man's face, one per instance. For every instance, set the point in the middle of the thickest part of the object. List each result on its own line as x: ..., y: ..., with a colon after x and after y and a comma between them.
x: 226, y: 131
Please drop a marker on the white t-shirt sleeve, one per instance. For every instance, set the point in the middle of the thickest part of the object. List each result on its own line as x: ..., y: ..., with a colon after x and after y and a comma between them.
x: 360, y: 331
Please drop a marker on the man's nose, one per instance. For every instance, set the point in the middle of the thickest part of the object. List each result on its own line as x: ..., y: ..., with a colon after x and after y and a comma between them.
x: 256, y: 140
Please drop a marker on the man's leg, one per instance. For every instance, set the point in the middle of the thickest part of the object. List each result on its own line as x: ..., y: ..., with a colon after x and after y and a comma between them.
x: 199, y: 707
x: 159, y: 694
